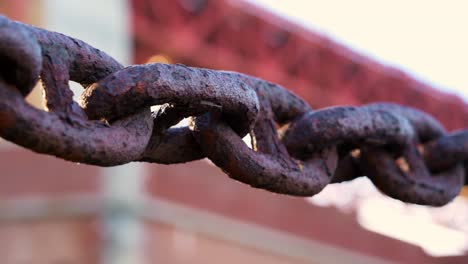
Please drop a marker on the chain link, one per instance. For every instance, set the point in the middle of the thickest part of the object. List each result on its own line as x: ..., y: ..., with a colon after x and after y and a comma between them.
x: 295, y: 150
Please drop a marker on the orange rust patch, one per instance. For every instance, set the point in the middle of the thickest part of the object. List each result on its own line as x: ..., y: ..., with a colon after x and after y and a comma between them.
x: 6, y: 120
x: 356, y: 153
x: 140, y: 88
x: 403, y: 164
x: 209, y: 137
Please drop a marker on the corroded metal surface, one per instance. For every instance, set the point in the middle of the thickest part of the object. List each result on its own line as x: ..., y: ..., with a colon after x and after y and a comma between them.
x: 295, y: 150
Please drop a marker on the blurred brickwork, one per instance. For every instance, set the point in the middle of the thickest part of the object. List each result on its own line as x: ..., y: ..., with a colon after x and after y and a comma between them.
x: 52, y: 211
x: 233, y: 35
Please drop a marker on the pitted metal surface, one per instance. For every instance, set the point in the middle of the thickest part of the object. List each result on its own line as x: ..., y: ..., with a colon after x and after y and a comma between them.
x: 295, y: 150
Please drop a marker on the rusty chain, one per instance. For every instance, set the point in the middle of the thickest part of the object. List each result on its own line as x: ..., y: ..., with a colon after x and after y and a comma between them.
x: 295, y: 150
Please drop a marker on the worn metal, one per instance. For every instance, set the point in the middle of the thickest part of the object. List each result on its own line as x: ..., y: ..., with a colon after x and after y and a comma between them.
x: 295, y: 150
x: 63, y: 131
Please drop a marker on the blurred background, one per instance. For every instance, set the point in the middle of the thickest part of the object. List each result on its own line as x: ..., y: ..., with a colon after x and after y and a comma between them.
x: 329, y: 53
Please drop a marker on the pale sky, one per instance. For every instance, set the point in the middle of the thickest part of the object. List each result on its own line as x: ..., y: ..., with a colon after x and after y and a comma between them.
x: 428, y: 39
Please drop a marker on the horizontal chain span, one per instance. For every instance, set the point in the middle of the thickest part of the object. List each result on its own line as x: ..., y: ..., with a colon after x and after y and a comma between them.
x: 295, y: 150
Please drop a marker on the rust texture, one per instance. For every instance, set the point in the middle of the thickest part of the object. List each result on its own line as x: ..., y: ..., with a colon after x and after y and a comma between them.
x: 63, y: 131
x: 295, y: 150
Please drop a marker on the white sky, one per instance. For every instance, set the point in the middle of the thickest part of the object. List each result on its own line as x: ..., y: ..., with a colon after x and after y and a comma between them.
x: 428, y: 39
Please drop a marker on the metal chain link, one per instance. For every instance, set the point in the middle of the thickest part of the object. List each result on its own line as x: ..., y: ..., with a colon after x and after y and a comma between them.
x: 295, y: 150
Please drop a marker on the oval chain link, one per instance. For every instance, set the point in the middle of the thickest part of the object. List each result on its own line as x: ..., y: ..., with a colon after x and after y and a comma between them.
x: 295, y: 150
